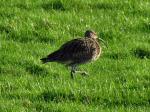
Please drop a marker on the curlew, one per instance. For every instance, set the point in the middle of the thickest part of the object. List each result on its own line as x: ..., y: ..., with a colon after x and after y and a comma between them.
x: 77, y: 51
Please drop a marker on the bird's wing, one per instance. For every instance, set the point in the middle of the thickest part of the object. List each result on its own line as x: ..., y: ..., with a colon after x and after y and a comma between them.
x: 76, y: 49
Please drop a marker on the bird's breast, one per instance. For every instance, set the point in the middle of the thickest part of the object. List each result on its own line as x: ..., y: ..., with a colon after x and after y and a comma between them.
x: 97, y: 51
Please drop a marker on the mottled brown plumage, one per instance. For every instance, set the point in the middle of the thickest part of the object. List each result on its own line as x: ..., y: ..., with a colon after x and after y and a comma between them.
x: 76, y: 51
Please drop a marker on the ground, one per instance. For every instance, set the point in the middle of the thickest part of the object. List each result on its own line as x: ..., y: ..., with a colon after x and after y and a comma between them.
x: 119, y: 80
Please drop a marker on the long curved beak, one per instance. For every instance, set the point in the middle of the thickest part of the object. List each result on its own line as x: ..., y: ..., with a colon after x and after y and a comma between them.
x: 103, y: 42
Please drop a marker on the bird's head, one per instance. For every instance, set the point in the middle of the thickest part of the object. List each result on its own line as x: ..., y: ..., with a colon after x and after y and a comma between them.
x: 90, y: 34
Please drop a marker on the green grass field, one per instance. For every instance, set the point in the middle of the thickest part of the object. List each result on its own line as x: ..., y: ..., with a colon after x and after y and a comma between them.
x: 119, y: 80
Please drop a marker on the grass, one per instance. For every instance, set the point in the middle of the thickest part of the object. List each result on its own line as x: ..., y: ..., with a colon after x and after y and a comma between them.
x: 119, y: 80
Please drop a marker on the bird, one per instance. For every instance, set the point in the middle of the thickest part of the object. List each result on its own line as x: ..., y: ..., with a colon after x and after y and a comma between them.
x: 77, y: 51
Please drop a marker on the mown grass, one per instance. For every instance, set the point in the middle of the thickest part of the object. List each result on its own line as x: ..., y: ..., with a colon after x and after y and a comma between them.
x: 118, y: 81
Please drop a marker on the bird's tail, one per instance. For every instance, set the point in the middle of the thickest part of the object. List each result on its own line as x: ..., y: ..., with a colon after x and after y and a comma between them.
x: 51, y: 57
x: 44, y: 60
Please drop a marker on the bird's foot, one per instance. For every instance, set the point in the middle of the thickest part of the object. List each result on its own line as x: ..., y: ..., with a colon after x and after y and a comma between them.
x: 72, y: 74
x: 84, y: 73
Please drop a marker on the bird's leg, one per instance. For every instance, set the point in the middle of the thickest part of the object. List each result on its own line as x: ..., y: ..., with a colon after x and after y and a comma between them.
x: 73, y: 71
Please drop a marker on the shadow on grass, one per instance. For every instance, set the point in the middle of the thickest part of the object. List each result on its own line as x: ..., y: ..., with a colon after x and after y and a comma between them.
x: 7, y: 14
x: 38, y: 37
x: 23, y: 6
x: 105, y: 6
x: 141, y: 53
x: 145, y: 27
x: 35, y: 69
x: 142, y: 27
x: 55, y: 5
x: 25, y: 37
x: 57, y: 96
x: 138, y: 12
x: 76, y: 5
x: 42, y: 108
x: 117, y: 56
x: 90, y: 99
x: 14, y: 65
x: 29, y: 35
x: 6, y: 29
x: 8, y: 87
x: 110, y: 36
